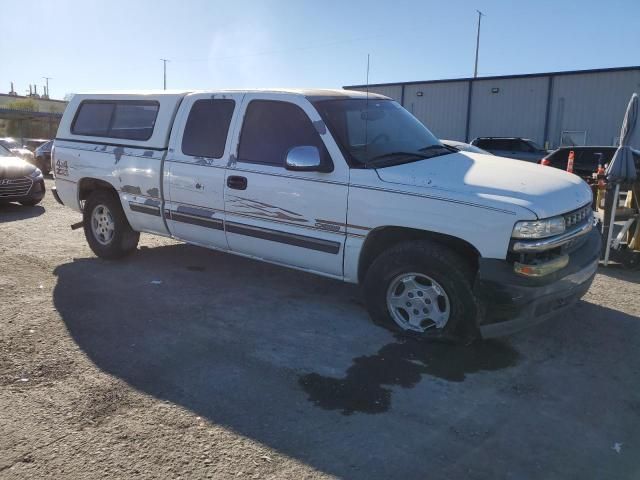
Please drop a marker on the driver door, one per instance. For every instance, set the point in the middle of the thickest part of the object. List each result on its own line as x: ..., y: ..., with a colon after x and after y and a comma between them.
x: 296, y: 218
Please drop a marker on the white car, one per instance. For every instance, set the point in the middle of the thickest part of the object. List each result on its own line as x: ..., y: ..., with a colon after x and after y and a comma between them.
x: 336, y: 183
x: 18, y: 150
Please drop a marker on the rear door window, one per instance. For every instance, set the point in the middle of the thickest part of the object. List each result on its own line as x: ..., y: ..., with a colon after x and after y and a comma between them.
x: 205, y: 133
x: 559, y: 159
x: 126, y: 119
x: 502, y: 144
x: 271, y: 129
x: 523, y: 146
x: 93, y: 119
x: 133, y: 121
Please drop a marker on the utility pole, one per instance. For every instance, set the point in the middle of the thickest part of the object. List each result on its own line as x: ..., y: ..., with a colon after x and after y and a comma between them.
x: 475, y: 69
x: 47, y: 80
x: 164, y: 64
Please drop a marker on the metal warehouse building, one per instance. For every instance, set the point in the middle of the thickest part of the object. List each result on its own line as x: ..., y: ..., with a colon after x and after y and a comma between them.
x: 582, y: 107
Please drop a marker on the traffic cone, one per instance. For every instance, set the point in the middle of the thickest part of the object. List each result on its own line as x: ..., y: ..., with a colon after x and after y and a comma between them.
x: 572, y: 156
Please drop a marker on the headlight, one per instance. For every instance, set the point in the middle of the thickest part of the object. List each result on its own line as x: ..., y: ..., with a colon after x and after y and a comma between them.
x: 539, y: 228
x: 37, y: 173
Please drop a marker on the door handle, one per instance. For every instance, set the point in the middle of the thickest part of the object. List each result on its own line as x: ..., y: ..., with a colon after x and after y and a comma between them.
x: 236, y: 182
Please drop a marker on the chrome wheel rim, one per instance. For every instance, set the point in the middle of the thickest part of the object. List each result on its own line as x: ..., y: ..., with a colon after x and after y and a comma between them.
x: 102, y: 225
x: 418, y: 303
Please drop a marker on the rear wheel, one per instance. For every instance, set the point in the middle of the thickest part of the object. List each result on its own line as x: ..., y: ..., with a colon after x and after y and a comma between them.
x: 423, y: 289
x: 106, y: 227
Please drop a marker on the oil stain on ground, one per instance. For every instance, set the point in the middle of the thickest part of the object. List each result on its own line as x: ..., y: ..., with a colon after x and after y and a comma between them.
x: 365, y: 388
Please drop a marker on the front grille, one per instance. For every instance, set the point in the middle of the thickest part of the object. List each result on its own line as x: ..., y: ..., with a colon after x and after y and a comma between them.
x: 17, y: 187
x: 576, y: 217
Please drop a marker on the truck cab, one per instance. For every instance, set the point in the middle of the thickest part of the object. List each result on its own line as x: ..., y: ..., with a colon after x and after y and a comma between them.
x: 338, y: 183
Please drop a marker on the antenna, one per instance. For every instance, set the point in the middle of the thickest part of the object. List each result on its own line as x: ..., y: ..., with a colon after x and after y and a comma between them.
x: 164, y: 63
x: 366, y: 113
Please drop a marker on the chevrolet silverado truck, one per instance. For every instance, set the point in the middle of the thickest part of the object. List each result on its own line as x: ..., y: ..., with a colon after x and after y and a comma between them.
x: 344, y: 184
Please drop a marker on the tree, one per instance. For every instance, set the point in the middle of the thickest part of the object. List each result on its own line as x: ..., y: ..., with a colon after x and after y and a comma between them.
x: 26, y: 104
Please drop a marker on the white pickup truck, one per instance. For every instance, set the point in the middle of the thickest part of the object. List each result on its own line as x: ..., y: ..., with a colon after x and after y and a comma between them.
x: 337, y: 183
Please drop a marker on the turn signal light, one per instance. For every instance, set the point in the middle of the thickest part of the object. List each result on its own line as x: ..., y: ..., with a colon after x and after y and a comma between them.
x: 545, y: 161
x: 541, y: 269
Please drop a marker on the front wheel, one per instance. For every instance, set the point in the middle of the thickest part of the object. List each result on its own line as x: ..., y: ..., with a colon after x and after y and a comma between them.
x: 423, y: 289
x: 106, y: 227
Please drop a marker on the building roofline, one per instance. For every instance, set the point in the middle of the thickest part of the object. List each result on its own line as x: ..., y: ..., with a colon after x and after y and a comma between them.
x: 500, y: 77
x: 26, y: 97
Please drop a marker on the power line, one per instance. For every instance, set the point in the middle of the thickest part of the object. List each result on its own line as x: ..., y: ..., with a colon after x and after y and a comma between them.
x: 301, y: 48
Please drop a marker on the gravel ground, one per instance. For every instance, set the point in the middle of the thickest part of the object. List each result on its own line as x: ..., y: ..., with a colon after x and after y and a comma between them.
x: 180, y: 362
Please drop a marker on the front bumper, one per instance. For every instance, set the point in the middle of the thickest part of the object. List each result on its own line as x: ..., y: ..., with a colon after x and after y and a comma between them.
x: 36, y: 192
x: 512, y: 302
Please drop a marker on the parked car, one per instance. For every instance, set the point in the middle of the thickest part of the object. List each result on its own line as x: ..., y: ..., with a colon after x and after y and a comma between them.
x: 33, y: 143
x: 336, y: 183
x: 464, y: 147
x: 43, y: 156
x: 586, y: 159
x: 17, y: 149
x: 20, y: 181
x: 511, y: 147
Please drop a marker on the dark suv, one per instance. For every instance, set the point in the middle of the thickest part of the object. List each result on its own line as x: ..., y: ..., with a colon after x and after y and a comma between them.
x: 586, y: 159
x: 511, y: 147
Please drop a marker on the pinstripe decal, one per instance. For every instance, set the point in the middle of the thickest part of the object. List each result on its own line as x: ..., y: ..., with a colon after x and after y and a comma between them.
x: 148, y: 209
x: 434, y: 197
x: 311, y: 243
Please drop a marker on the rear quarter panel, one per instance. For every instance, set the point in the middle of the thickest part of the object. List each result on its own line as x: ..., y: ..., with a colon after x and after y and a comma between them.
x: 132, y: 167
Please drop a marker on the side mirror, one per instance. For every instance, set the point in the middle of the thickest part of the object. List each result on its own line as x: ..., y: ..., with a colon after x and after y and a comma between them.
x: 304, y: 159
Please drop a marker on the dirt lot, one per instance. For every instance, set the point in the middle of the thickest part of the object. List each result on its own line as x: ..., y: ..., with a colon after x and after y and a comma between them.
x: 180, y: 362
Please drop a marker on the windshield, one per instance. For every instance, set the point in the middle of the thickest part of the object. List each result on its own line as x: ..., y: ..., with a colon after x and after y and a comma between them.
x: 9, y: 143
x: 378, y: 133
x: 4, y: 152
x: 534, y: 144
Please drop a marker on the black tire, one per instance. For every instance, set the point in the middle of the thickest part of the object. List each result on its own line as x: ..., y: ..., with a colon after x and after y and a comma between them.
x: 436, y: 261
x: 30, y: 203
x: 124, y: 240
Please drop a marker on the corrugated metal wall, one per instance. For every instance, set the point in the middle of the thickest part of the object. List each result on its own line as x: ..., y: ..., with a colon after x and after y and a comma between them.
x: 391, y: 91
x: 526, y: 106
x: 442, y: 107
x: 517, y: 109
x: 592, y: 102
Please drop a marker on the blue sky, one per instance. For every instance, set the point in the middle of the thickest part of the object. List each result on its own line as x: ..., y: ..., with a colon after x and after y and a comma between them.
x: 89, y: 45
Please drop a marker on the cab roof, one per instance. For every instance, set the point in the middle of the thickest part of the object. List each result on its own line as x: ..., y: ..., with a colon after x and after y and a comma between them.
x: 312, y: 94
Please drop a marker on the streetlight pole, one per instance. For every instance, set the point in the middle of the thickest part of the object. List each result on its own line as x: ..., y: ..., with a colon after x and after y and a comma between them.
x: 164, y: 64
x: 475, y: 69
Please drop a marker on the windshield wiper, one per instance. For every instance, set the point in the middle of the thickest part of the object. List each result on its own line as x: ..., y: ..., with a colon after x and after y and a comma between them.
x: 438, y: 146
x: 406, y: 157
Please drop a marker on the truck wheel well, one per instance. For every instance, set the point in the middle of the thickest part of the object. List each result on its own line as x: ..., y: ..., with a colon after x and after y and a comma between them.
x: 384, y: 238
x: 87, y: 186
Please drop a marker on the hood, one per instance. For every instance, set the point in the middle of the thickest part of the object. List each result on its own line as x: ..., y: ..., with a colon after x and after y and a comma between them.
x: 546, y: 191
x: 14, y: 167
x: 21, y: 151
